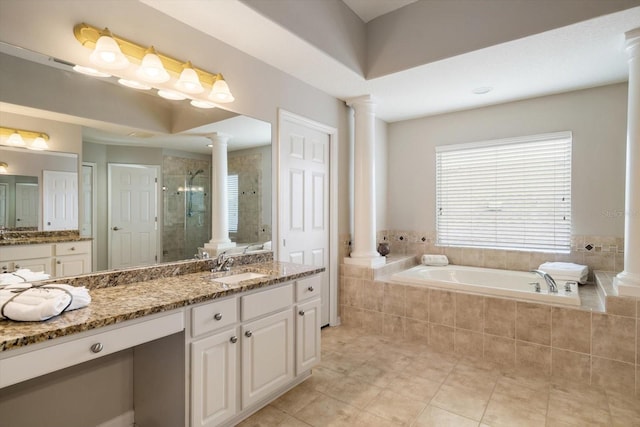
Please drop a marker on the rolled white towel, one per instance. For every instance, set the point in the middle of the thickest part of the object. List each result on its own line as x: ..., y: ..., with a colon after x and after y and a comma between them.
x: 23, y: 302
x: 566, y: 271
x: 435, y: 260
x: 267, y: 246
x: 22, y: 275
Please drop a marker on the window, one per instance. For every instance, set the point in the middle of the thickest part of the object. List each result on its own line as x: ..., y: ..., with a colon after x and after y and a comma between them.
x: 505, y: 194
x: 232, y: 199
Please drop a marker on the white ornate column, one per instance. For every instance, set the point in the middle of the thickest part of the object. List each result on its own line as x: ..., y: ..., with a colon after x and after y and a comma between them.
x: 364, y: 229
x: 628, y: 282
x: 219, y: 201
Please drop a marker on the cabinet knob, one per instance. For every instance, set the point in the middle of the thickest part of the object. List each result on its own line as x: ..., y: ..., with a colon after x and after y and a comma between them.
x: 16, y: 266
x: 233, y: 339
x: 73, y: 248
x: 301, y: 312
x: 58, y: 262
x: 217, y: 316
x: 310, y: 288
x: 116, y: 228
x: 248, y: 334
x: 97, y: 347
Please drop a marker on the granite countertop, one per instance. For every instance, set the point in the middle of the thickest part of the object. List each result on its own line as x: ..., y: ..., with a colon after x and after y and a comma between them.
x: 115, y: 304
x: 12, y: 238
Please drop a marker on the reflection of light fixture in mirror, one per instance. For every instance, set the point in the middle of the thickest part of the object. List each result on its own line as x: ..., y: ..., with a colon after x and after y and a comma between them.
x: 4, y: 168
x: 202, y: 104
x: 172, y: 95
x: 159, y: 70
x: 134, y: 84
x: 89, y: 71
x: 189, y: 82
x: 16, y: 138
x: 220, y: 91
x: 151, y: 70
x: 38, y: 144
x: 107, y: 53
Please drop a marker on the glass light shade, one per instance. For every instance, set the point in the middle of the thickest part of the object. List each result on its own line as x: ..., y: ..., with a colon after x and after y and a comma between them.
x: 202, y: 104
x: 89, y: 71
x: 220, y: 92
x: 189, y: 82
x: 38, y: 144
x: 107, y: 54
x: 169, y: 94
x: 134, y: 84
x: 16, y: 140
x: 151, y: 70
x: 4, y: 168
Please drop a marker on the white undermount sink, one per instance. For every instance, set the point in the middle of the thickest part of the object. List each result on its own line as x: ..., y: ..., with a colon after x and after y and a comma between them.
x: 237, y: 278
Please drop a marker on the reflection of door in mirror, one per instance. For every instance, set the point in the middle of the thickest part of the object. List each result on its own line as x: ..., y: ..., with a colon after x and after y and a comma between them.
x: 3, y: 204
x: 60, y: 201
x: 26, y: 205
x: 133, y: 215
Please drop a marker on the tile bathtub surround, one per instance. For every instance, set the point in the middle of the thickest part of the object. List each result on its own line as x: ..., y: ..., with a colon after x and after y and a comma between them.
x: 368, y: 380
x: 606, y: 252
x: 578, y: 344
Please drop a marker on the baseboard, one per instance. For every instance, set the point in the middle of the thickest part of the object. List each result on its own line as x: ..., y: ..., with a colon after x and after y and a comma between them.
x: 123, y: 420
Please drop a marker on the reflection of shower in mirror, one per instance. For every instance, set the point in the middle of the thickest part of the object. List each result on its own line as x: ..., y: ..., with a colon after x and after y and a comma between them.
x: 191, y: 189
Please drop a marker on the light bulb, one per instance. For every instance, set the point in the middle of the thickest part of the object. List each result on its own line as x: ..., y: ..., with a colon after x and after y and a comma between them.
x: 189, y: 82
x: 107, y: 53
x: 151, y: 70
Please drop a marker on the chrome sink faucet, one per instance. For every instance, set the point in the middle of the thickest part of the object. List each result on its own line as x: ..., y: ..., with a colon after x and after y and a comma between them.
x: 553, y: 288
x: 222, y: 262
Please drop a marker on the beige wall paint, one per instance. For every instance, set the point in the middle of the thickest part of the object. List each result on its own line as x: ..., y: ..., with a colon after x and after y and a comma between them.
x: 381, y: 174
x: 63, y: 137
x: 597, y: 117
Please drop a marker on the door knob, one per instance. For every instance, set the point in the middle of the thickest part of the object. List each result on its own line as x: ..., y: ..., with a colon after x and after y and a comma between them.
x: 116, y: 228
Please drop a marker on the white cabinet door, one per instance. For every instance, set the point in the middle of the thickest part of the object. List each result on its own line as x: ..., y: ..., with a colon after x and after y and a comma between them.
x: 308, y: 318
x: 267, y: 356
x: 213, y: 378
x: 34, y: 264
x: 72, y: 265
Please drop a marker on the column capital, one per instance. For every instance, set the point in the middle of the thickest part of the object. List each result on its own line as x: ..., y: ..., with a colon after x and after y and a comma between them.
x: 633, y: 43
x: 364, y: 101
x: 219, y: 137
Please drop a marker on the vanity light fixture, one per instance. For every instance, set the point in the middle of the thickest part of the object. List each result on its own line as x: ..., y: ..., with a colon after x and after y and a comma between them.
x: 90, y: 71
x: 134, y: 84
x: 4, y: 168
x: 160, y: 71
x: 16, y: 138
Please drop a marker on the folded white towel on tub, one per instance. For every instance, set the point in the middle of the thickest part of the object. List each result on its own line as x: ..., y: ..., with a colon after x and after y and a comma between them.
x: 566, y: 271
x: 24, y: 302
x: 435, y: 260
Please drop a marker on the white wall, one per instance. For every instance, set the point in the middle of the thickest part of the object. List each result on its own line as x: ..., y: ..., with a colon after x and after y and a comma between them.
x: 597, y: 117
x: 381, y: 153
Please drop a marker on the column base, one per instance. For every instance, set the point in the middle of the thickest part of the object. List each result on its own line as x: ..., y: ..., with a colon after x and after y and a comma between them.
x: 219, y: 246
x: 371, y: 262
x: 628, y: 284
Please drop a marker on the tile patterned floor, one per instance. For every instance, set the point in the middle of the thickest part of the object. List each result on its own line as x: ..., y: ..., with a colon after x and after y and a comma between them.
x: 373, y: 381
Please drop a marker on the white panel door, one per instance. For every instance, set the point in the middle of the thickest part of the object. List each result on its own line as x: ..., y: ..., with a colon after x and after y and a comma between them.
x: 133, y: 221
x: 3, y: 204
x: 304, y: 166
x: 60, y: 200
x: 26, y: 204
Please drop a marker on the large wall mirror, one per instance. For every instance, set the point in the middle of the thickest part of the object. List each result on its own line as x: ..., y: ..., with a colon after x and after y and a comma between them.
x: 128, y: 130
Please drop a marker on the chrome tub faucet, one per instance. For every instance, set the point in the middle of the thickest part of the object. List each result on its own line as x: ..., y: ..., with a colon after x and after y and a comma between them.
x: 553, y: 288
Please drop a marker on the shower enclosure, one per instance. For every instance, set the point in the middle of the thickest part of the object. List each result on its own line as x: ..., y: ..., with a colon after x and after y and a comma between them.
x: 187, y: 207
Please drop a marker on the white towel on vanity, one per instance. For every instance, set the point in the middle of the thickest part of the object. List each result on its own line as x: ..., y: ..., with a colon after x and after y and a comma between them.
x: 22, y: 275
x: 435, y: 260
x: 23, y: 302
x: 566, y: 271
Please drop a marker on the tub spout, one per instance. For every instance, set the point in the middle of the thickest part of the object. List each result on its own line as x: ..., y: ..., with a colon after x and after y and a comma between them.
x: 553, y: 288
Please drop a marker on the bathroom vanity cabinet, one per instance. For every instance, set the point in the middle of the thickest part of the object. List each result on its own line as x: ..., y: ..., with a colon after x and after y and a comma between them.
x: 57, y: 259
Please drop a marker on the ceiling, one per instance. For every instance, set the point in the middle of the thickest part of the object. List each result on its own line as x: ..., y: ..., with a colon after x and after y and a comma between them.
x: 371, y: 9
x: 586, y: 54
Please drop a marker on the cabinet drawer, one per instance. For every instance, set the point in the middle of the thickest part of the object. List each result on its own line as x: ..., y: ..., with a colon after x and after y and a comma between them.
x: 264, y: 302
x: 8, y: 253
x: 213, y: 315
x: 308, y: 287
x: 72, y: 248
x: 49, y: 359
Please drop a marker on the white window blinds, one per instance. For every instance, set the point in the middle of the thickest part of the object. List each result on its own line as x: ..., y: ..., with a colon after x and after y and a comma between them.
x: 505, y: 194
x: 232, y: 199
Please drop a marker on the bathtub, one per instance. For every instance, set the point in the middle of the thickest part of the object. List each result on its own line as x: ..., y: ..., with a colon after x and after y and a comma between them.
x: 488, y: 281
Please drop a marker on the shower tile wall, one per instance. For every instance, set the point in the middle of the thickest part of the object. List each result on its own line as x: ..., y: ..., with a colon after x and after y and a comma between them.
x: 249, y: 170
x: 182, y: 233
